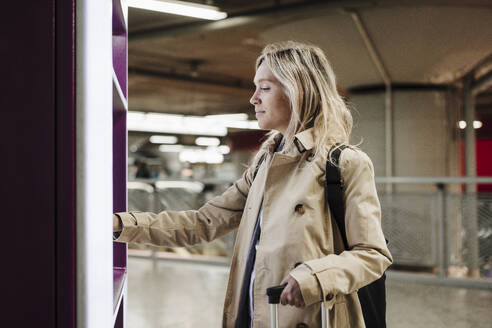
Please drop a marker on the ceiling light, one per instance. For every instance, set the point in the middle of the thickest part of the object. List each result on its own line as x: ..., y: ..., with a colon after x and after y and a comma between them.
x: 224, y: 149
x: 179, y: 124
x: 174, y: 124
x: 229, y: 117
x: 253, y: 125
x: 163, y: 139
x: 179, y: 8
x: 210, y: 156
x: 476, y: 124
x: 203, y: 141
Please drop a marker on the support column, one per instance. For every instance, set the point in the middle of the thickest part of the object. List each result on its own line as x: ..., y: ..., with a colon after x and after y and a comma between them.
x: 388, y: 124
x: 388, y: 103
x: 441, y: 231
x: 471, y: 171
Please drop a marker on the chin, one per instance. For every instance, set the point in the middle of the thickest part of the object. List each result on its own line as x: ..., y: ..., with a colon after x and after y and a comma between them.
x: 263, y: 126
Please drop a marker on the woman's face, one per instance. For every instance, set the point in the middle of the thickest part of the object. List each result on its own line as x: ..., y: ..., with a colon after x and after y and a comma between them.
x: 272, y: 106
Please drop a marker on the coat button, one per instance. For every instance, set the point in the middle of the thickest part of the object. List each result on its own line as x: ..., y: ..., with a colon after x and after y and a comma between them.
x: 300, y: 209
x: 329, y: 297
x: 310, y: 157
x: 302, y: 325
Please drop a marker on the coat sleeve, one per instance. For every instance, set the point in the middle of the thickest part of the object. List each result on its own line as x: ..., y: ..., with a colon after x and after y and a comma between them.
x: 217, y: 217
x: 368, y: 256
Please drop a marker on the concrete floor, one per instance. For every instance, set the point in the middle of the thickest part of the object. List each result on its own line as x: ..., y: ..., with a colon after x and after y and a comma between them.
x: 170, y: 294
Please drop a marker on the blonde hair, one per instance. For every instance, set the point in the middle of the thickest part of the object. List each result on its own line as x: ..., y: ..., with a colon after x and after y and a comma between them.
x: 309, y: 83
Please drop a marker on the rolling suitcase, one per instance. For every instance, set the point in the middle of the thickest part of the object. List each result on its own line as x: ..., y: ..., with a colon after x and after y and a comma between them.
x: 274, y: 298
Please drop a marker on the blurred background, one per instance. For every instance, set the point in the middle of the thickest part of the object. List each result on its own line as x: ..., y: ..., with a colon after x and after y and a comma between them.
x: 418, y: 75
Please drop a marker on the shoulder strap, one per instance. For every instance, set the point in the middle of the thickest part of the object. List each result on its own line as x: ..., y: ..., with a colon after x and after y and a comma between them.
x: 334, y: 192
x: 258, y: 165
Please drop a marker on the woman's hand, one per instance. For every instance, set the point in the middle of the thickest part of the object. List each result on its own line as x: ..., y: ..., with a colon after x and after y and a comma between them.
x: 292, y: 293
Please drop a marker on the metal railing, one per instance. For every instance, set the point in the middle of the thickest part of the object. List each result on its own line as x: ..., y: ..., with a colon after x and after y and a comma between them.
x: 436, y: 226
x: 160, y: 195
x: 447, y: 229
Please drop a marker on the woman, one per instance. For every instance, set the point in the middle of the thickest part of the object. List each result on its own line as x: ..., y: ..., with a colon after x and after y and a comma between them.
x: 285, y: 229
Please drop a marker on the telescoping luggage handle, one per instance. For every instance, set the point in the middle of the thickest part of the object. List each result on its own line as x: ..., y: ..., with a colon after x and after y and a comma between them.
x: 274, y: 298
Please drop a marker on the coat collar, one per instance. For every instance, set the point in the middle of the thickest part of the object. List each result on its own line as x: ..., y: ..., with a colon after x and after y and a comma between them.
x: 304, y: 140
x: 272, y: 142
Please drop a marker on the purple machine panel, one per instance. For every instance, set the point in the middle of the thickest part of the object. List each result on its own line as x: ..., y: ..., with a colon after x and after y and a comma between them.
x: 119, y: 60
x: 120, y: 40
x: 120, y: 68
x: 119, y: 179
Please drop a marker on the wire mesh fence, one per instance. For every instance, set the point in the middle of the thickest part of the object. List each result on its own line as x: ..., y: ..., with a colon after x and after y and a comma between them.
x: 410, y: 226
x: 447, y: 232
x: 469, y: 233
x: 157, y: 196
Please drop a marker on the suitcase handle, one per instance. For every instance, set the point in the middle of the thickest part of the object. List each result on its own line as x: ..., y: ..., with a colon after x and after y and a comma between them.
x: 274, y: 298
x: 274, y: 293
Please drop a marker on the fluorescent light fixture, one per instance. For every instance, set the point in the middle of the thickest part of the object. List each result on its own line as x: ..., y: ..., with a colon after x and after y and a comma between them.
x: 210, y: 156
x: 204, y: 141
x: 174, y: 124
x: 253, y: 125
x: 180, y: 124
x: 224, y: 149
x: 229, y: 117
x: 179, y: 8
x: 163, y: 140
x: 476, y: 124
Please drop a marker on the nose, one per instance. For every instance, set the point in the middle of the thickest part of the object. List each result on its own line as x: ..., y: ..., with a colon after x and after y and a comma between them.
x: 254, y: 99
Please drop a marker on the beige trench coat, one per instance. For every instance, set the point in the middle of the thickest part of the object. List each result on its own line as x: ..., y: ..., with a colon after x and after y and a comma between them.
x: 296, y: 228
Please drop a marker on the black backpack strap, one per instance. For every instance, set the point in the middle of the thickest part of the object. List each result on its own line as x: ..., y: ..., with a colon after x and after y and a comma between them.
x: 372, y: 297
x: 259, y: 164
x: 334, y: 192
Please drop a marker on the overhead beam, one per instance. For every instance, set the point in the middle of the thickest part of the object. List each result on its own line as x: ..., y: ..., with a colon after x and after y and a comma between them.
x: 371, y: 48
x: 484, y: 62
x: 233, y: 83
x: 482, y: 83
x: 223, y: 110
x: 374, y: 88
x: 278, y: 14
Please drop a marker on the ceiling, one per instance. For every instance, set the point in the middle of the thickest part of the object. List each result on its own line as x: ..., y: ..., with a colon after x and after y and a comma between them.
x: 190, y: 66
